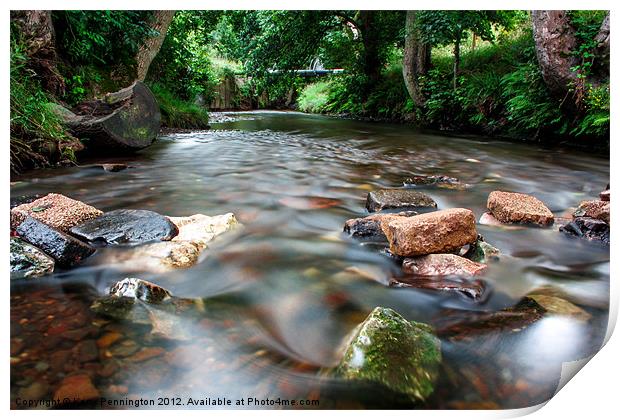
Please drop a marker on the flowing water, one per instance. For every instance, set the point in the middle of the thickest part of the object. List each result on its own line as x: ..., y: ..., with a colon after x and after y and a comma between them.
x: 282, y: 293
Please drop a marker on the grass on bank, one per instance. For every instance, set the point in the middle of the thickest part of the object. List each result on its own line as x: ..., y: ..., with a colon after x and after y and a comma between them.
x: 35, y: 130
x: 176, y: 113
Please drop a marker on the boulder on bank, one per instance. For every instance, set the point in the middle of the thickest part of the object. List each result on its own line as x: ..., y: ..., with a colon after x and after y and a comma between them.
x: 510, y: 207
x: 55, y: 210
x: 442, y: 265
x: 398, y: 199
x: 126, y: 226
x: 596, y: 209
x: 588, y: 228
x: 28, y: 261
x: 371, y: 227
x: 120, y: 122
x: 436, y: 232
x: 401, y: 355
x: 66, y: 250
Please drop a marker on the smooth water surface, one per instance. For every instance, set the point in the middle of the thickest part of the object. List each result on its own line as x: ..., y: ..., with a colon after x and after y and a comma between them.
x: 281, y: 294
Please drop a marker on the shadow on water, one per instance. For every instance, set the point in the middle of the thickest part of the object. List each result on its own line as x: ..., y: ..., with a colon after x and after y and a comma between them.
x: 277, y: 299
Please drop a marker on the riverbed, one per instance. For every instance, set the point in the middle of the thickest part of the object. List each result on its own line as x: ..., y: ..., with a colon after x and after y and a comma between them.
x: 282, y: 293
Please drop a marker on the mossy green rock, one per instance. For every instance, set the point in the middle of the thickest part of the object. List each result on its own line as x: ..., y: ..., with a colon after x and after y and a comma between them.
x: 403, y: 356
x: 482, y: 252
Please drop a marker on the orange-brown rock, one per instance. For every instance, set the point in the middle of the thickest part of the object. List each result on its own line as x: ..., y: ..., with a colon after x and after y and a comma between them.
x: 75, y: 389
x: 55, y: 210
x: 510, y: 207
x: 442, y: 265
x: 596, y: 209
x: 431, y: 233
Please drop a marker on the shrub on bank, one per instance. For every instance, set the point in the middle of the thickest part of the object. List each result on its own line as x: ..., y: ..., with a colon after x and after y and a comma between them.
x: 177, y: 113
x: 500, y: 92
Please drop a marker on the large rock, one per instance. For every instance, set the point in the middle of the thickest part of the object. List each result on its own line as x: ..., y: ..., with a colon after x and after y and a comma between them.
x: 397, y: 199
x: 588, y: 228
x: 510, y: 207
x: 596, y: 209
x: 442, y: 265
x: 55, y: 210
x: 66, y: 250
x: 371, y: 227
x: 401, y: 355
x: 436, y: 232
x: 127, y: 227
x: 28, y: 261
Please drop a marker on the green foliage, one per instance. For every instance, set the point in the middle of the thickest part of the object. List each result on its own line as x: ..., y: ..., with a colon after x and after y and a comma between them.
x: 528, y: 105
x: 101, y: 37
x: 596, y: 120
x: 184, y: 64
x: 178, y: 113
x: 587, y: 24
x: 34, y: 126
x: 443, y: 27
x: 314, y: 97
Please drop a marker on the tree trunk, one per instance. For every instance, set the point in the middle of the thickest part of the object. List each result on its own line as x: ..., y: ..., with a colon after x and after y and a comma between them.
x: 416, y: 59
x: 371, y: 64
x: 121, y: 122
x: 602, y: 48
x: 555, y: 40
x: 37, y: 33
x: 457, y: 61
x: 148, y: 51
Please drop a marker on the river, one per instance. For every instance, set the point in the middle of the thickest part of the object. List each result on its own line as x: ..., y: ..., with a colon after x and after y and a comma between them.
x: 282, y: 293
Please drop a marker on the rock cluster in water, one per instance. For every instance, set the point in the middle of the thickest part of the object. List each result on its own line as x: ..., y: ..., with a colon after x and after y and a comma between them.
x: 441, y: 251
x: 591, y: 220
x: 55, y: 230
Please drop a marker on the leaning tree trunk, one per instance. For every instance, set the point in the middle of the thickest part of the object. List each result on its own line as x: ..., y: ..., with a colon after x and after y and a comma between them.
x: 555, y: 40
x: 121, y: 122
x: 416, y: 59
x: 148, y: 51
x: 36, y: 32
